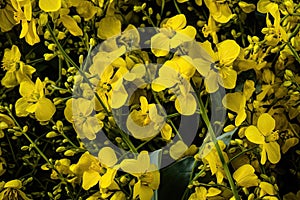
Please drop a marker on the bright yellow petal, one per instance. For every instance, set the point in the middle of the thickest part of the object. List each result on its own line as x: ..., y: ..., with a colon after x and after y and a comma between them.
x: 48, y: 6
x: 45, y: 109
x: 245, y: 177
x: 71, y: 25
x: 273, y: 152
x: 166, y: 132
x: 227, y: 77
x: 68, y: 110
x: 108, y: 27
x: 240, y: 118
x: 211, y: 192
x: 89, y: 179
x: 253, y: 135
x: 186, y: 104
x: 107, y: 156
x: 234, y: 101
x: 228, y: 51
x: 21, y: 106
x: 177, y: 22
x: 266, y: 124
x: 108, y: 178
x: 211, y: 82
x: 32, y: 37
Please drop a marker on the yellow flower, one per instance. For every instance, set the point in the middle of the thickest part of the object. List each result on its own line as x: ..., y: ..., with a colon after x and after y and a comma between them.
x: 23, y: 14
x: 62, y: 166
x: 211, y: 29
x: 174, y: 75
x: 219, y: 10
x: 5, y: 122
x: 84, y: 8
x: 264, y: 135
x: 83, y: 118
x: 245, y: 177
x: 236, y: 101
x: 211, y: 156
x: 33, y: 100
x: 48, y: 6
x: 267, y: 189
x: 216, y: 67
x: 268, y: 6
x: 147, y: 174
x: 145, y: 123
x: 201, y: 193
x: 109, y: 82
x: 88, y: 168
x: 172, y: 35
x: 7, y: 16
x: 16, y: 70
x: 12, y: 190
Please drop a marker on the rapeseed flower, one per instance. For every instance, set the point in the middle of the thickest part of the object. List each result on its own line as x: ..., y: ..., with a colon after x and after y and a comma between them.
x: 216, y: 67
x: 16, y: 70
x: 33, y: 101
x: 264, y: 135
x: 146, y: 173
x: 173, y: 33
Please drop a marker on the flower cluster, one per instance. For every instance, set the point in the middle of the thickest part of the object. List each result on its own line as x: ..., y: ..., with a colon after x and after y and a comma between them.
x: 105, y: 99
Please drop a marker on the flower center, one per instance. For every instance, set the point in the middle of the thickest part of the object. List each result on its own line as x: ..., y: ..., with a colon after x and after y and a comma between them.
x: 272, y: 137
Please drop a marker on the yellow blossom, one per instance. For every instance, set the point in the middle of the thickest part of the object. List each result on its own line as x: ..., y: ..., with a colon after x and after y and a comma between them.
x: 245, y: 177
x: 88, y: 168
x: 147, y: 174
x: 7, y: 16
x: 12, y: 190
x: 219, y: 10
x: 16, y: 70
x: 84, y: 120
x: 174, y: 75
x: 201, y: 193
x: 84, y: 8
x: 211, y: 29
x: 173, y: 33
x: 23, y: 15
x: 5, y: 122
x: 211, y: 157
x: 216, y: 67
x: 33, y: 100
x: 145, y: 123
x: 264, y: 135
x: 48, y: 6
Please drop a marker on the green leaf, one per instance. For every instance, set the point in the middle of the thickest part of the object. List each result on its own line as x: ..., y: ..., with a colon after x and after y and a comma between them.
x: 175, y: 179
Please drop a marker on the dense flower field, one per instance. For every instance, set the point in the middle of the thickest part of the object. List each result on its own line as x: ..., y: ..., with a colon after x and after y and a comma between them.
x: 164, y: 99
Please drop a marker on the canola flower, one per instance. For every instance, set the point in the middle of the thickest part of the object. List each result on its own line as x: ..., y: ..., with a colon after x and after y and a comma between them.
x: 88, y: 121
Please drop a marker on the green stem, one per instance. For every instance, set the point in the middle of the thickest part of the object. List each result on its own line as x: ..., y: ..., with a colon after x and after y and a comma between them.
x: 177, y: 7
x: 67, y: 57
x: 215, y: 141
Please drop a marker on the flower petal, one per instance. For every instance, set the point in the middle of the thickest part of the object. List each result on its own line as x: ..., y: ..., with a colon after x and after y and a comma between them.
x: 45, y: 109
x: 273, y: 152
x: 50, y: 6
x: 107, y: 156
x: 266, y: 124
x: 160, y: 45
x: 254, y: 136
